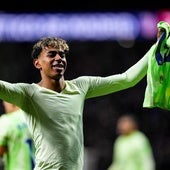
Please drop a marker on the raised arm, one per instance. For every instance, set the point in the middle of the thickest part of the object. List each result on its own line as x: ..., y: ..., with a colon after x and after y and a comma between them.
x: 105, y: 85
x: 135, y: 73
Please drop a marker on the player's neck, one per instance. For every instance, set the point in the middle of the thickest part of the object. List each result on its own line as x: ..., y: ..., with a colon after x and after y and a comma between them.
x: 56, y: 85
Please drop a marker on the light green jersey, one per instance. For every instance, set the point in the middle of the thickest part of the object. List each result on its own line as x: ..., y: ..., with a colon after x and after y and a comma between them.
x: 55, y: 119
x: 158, y: 82
x: 15, y: 135
x: 132, y: 152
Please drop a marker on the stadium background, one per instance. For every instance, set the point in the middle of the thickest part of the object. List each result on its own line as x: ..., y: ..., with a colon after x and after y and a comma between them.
x: 100, y: 57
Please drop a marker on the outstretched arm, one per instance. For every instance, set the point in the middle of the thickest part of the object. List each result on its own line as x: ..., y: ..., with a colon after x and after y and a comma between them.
x: 141, y: 67
x: 135, y: 73
x: 105, y: 85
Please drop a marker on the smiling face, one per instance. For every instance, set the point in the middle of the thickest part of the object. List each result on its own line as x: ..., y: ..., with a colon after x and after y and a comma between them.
x: 51, y: 62
x: 49, y: 56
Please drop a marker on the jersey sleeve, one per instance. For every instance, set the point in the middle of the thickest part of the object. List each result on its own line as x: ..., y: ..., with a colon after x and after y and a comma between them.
x: 16, y: 93
x: 98, y: 86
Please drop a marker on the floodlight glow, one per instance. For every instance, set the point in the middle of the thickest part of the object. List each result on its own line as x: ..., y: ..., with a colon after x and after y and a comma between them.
x: 77, y: 26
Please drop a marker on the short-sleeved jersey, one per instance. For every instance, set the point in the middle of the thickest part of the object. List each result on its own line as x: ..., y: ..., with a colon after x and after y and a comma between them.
x: 15, y: 135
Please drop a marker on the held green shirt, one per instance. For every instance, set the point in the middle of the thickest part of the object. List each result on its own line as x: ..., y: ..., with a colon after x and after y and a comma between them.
x: 132, y: 152
x: 15, y: 135
x: 55, y: 119
x: 157, y: 93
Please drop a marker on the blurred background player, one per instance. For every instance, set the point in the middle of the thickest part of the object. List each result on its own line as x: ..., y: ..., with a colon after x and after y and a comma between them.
x: 132, y: 149
x: 16, y: 145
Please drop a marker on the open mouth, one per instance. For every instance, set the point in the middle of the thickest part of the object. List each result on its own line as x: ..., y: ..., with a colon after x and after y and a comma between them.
x: 58, y: 67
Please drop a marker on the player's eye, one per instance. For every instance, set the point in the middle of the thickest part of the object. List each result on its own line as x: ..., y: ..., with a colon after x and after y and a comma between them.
x: 52, y: 53
x: 61, y: 54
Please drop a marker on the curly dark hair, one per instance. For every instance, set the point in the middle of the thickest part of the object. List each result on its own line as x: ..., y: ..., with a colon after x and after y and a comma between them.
x: 49, y: 42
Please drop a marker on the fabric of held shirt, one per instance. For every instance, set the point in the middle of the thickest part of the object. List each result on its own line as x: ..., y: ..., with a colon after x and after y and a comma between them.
x: 157, y: 93
x: 15, y: 135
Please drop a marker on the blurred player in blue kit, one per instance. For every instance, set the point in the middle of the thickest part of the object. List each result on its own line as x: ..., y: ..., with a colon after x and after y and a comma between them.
x: 16, y: 144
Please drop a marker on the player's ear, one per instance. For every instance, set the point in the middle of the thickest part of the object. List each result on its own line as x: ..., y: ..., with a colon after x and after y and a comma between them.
x: 36, y: 63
